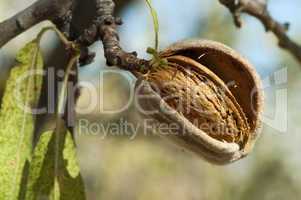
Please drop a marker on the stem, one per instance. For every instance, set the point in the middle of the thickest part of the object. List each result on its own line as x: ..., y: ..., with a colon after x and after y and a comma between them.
x: 62, y: 95
x: 155, y: 22
x: 61, y: 36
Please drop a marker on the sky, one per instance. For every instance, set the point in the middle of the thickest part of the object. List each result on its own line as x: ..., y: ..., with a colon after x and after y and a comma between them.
x: 179, y: 20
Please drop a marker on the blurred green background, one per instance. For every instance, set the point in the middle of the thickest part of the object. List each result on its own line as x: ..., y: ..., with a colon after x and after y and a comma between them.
x: 149, y: 167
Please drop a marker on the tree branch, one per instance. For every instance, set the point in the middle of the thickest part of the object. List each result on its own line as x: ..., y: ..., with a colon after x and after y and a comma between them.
x: 39, y: 11
x: 105, y: 28
x: 258, y: 9
x: 107, y: 25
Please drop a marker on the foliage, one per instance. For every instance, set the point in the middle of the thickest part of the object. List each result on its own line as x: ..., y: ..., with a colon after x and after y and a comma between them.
x: 54, y: 163
x: 48, y: 170
x: 16, y: 124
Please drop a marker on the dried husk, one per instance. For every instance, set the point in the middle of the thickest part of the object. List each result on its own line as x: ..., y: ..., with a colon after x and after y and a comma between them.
x: 205, y: 83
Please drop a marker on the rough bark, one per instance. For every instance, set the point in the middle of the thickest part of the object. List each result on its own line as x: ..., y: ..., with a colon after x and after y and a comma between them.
x: 258, y: 9
x: 39, y: 11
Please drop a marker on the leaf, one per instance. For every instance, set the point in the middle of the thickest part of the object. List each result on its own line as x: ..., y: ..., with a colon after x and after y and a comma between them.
x: 16, y: 123
x: 54, y: 172
x: 155, y: 22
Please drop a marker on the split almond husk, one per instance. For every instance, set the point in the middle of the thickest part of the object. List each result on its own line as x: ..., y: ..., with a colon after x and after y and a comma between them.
x: 209, y: 97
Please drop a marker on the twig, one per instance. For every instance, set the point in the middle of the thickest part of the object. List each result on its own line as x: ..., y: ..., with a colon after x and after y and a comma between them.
x: 106, y: 28
x: 258, y: 9
x: 39, y: 11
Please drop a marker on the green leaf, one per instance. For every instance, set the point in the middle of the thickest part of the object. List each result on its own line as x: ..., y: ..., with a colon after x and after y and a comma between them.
x: 22, y: 93
x: 54, y: 172
x: 155, y: 22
